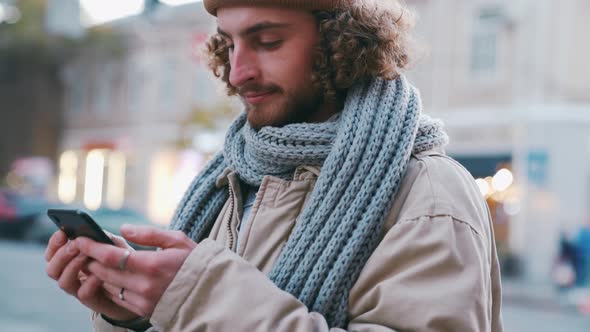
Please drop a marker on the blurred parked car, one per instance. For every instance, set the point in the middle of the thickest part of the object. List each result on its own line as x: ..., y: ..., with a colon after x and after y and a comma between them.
x: 7, y: 210
x: 108, y: 219
x: 18, y: 212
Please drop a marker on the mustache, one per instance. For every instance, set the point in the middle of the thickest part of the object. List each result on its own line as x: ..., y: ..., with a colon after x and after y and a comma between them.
x: 255, y: 88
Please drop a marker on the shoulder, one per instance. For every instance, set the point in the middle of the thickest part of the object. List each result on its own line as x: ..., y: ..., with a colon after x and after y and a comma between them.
x: 436, y: 185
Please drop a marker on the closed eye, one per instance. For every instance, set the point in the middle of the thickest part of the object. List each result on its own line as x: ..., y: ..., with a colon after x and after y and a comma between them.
x: 271, y: 45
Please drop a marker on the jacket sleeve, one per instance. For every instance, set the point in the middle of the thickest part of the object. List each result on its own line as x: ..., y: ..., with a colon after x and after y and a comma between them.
x: 428, y: 274
x: 433, y: 273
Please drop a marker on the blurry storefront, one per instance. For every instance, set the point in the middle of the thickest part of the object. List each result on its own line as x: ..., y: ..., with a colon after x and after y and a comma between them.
x: 104, y: 176
x: 533, y: 168
x: 495, y: 179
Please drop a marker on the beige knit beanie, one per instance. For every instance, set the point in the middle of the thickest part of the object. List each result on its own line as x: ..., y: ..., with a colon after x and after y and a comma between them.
x: 213, y: 5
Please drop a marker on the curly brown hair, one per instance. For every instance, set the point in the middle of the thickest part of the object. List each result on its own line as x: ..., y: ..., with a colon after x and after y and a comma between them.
x: 367, y: 40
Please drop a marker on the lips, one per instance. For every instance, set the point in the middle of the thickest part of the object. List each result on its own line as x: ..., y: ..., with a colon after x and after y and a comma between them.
x: 257, y: 97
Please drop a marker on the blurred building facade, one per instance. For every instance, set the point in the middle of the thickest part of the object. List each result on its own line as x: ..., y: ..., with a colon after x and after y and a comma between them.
x: 511, y: 81
x: 30, y: 101
x: 29, y: 129
x: 127, y: 138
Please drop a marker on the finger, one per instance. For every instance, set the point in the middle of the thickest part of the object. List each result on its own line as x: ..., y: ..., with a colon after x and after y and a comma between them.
x: 132, y: 298
x: 111, y: 289
x: 129, y: 299
x: 81, y: 275
x: 155, y: 237
x: 89, y: 289
x: 56, y: 241
x: 69, y: 280
x: 60, y: 260
x: 116, y: 277
x: 119, y: 241
x: 92, y: 295
x: 111, y: 256
x: 137, y: 283
x: 106, y: 254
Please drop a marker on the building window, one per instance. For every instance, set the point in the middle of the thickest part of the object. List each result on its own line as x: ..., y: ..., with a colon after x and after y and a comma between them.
x: 485, y: 40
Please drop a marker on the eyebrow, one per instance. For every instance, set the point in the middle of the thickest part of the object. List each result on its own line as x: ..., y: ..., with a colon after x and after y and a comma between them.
x: 256, y: 28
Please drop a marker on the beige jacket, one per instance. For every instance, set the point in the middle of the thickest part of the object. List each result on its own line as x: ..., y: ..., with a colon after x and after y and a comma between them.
x: 436, y: 268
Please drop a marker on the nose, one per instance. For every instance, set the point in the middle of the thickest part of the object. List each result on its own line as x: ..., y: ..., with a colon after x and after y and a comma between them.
x: 243, y: 66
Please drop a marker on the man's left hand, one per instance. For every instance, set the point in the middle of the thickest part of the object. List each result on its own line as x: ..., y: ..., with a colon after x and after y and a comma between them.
x: 146, y: 274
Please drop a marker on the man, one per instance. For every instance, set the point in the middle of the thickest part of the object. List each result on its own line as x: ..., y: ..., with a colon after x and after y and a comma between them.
x: 332, y: 206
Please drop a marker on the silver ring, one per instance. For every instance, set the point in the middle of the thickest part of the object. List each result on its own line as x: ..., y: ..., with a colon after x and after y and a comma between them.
x: 124, y: 259
x: 121, y: 296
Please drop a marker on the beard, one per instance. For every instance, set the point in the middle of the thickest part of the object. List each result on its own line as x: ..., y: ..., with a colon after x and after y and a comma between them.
x: 284, y: 108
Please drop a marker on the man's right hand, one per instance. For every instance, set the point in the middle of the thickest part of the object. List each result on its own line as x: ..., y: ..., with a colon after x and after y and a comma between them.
x: 66, y: 266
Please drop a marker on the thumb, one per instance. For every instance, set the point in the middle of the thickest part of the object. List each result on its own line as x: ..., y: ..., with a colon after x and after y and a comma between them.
x: 119, y: 241
x: 154, y: 237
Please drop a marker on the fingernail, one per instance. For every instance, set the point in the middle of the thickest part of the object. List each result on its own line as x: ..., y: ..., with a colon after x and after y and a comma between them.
x: 128, y: 230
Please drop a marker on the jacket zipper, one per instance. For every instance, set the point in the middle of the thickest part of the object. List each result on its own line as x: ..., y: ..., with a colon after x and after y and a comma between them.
x: 231, y: 215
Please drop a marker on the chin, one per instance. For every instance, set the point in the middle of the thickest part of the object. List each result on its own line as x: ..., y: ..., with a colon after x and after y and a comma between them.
x: 280, y: 112
x: 257, y: 121
x: 267, y: 115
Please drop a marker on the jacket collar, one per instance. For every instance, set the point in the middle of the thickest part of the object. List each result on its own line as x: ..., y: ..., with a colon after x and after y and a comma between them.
x: 301, y: 173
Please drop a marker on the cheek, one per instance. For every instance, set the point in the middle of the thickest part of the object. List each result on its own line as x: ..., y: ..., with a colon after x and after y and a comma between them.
x: 290, y: 68
x: 302, y: 62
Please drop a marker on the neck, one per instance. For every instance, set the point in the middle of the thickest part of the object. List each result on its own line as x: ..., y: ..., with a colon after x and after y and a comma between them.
x: 326, y: 110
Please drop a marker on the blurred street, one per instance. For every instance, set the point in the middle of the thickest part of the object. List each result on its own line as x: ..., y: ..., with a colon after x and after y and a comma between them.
x: 525, y: 318
x: 31, y: 302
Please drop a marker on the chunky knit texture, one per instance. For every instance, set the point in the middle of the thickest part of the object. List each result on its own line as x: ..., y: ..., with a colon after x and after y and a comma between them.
x: 212, y: 5
x: 363, y: 152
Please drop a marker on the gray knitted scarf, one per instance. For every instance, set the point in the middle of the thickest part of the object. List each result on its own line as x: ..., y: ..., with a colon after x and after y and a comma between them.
x: 363, y: 152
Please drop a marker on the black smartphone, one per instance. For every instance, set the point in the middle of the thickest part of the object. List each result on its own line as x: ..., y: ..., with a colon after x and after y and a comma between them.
x: 78, y: 223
